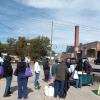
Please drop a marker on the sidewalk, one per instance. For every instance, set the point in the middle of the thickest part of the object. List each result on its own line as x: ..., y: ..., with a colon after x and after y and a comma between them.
x: 85, y: 93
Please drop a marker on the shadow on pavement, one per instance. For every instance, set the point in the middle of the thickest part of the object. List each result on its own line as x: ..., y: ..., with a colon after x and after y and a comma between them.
x: 95, y: 91
x: 14, y: 88
x: 30, y: 90
x: 51, y: 84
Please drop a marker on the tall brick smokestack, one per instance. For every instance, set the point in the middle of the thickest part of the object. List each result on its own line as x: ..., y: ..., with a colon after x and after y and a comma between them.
x: 76, y: 38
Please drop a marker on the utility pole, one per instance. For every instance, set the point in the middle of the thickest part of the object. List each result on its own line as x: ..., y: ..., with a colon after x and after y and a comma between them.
x: 51, y: 41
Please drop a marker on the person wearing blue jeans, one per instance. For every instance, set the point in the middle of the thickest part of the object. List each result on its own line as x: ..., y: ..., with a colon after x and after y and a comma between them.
x: 60, y: 74
x: 22, y: 79
x: 59, y: 88
x: 37, y: 74
x: 8, y: 72
x: 22, y: 86
x: 37, y: 84
x: 79, y: 68
x: 8, y: 85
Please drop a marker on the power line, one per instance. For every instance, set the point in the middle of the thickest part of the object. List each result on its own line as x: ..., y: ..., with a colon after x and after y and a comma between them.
x: 7, y: 26
x: 55, y: 26
x: 59, y: 22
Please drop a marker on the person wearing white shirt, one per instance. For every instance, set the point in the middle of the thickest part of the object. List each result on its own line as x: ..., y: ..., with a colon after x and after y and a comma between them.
x: 37, y: 70
x: 72, y: 68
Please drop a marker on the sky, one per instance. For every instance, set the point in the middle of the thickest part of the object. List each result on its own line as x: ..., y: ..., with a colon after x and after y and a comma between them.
x: 32, y: 18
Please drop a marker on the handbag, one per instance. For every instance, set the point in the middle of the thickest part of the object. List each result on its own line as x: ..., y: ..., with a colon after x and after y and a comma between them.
x: 28, y: 72
x: 75, y: 75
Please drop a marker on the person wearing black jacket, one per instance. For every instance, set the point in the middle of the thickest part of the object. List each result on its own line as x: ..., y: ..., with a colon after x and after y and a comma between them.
x: 46, y: 68
x: 22, y: 79
x: 8, y: 72
x: 79, y: 69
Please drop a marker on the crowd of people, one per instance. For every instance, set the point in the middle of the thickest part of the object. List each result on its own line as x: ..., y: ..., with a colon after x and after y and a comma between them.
x: 61, y: 71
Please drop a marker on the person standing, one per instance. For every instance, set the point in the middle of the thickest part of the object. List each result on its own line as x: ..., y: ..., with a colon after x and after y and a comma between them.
x: 8, y: 72
x: 46, y: 68
x: 88, y: 69
x: 22, y: 79
x: 60, y: 79
x: 53, y: 68
x: 37, y: 70
x: 79, y: 70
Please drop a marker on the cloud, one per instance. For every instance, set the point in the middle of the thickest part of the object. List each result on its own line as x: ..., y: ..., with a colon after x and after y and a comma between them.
x: 47, y: 3
x: 81, y: 12
x: 31, y: 18
x: 81, y: 4
x: 76, y: 11
x: 43, y: 3
x: 32, y: 28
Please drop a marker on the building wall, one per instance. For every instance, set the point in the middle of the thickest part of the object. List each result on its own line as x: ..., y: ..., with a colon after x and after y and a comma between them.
x: 98, y: 46
x: 89, y: 50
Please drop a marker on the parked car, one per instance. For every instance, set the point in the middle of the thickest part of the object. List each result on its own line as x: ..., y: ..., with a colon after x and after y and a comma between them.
x: 97, y: 61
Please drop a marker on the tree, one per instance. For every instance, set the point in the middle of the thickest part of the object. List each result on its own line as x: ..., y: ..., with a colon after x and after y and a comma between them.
x: 21, y: 46
x: 11, y: 44
x: 39, y: 47
x: 1, y: 47
x: 11, y: 41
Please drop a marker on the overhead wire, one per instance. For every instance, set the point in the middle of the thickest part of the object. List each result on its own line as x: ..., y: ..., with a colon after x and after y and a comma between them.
x: 34, y: 20
x: 58, y: 25
x: 59, y: 22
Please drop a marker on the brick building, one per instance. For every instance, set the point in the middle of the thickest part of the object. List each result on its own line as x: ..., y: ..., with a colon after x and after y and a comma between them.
x: 90, y: 50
